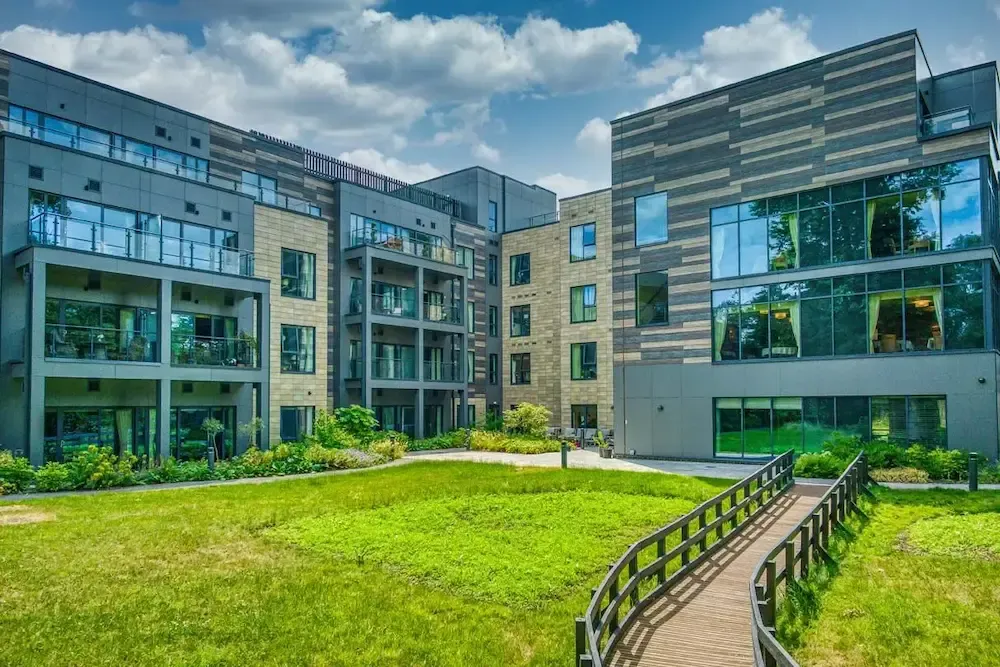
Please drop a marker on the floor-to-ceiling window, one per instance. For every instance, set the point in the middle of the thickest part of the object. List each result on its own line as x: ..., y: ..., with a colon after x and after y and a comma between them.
x: 189, y: 440
x: 86, y: 330
x: 127, y: 430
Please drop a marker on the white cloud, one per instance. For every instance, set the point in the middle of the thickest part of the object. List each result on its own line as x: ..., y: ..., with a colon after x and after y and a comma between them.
x: 483, y: 151
x: 567, y: 186
x: 973, y: 53
x: 390, y: 166
x: 996, y: 8
x: 768, y: 41
x: 244, y: 79
x: 595, y: 136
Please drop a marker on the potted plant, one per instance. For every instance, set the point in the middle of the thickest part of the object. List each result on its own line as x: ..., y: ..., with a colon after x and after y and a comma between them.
x: 137, y: 349
x: 603, y: 446
x: 247, y: 353
x: 212, y: 428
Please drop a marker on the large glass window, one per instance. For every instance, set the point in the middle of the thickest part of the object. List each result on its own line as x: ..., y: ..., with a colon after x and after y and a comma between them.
x: 494, y: 368
x: 520, y: 269
x: 520, y: 321
x: 926, y: 309
x: 583, y: 361
x: 466, y: 257
x: 470, y: 316
x: 127, y: 430
x: 394, y: 237
x: 651, y: 303
x: 298, y: 274
x: 923, y: 210
x: 492, y: 270
x: 583, y: 304
x: 296, y: 423
x: 520, y: 368
x: 651, y: 219
x: 470, y: 367
x: 102, y: 332
x: 394, y: 300
x: 494, y: 321
x: 492, y: 216
x: 298, y: 349
x: 190, y: 442
x: 583, y: 242
x: 583, y: 416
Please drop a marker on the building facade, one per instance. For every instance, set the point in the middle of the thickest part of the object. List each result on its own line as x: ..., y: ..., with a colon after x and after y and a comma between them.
x: 159, y: 269
x: 556, y: 315
x: 812, y: 250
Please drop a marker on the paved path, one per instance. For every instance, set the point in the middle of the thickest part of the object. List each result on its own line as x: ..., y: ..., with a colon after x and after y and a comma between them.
x: 705, y: 618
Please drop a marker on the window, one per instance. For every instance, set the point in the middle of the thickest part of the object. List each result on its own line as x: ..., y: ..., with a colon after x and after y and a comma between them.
x: 375, y: 232
x: 392, y: 300
x: 470, y: 315
x: 399, y: 418
x: 494, y: 321
x: 298, y: 349
x: 651, y: 298
x: 651, y: 219
x: 583, y: 361
x: 36, y: 173
x: 314, y: 210
x: 583, y: 416
x: 466, y: 257
x: 261, y: 188
x: 195, y: 142
x: 471, y: 414
x: 583, y: 304
x: 918, y: 211
x: 296, y: 423
x: 298, y: 274
x: 492, y: 221
x: 68, y: 432
x: 494, y: 368
x: 520, y: 269
x: 491, y: 270
x: 520, y: 368
x: 188, y: 440
x: 393, y: 361
x: 924, y: 309
x: 470, y: 367
x: 520, y: 321
x: 583, y: 242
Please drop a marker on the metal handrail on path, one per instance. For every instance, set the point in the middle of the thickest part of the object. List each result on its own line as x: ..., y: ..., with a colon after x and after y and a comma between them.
x: 807, y: 542
x: 600, y: 629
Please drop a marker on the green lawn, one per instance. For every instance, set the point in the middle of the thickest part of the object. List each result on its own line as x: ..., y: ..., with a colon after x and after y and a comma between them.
x: 423, y: 564
x: 919, y: 586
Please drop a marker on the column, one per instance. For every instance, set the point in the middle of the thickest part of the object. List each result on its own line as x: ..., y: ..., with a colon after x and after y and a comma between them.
x: 418, y: 427
x: 164, y: 307
x: 36, y: 419
x: 263, y: 407
x: 366, y: 331
x: 163, y: 418
x: 35, y: 370
x: 463, y: 410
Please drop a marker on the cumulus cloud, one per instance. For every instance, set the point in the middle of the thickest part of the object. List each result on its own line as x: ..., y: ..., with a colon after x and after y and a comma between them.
x: 973, y: 53
x: 766, y: 42
x: 567, y: 186
x: 483, y: 151
x: 249, y: 80
x: 390, y: 166
x: 595, y: 136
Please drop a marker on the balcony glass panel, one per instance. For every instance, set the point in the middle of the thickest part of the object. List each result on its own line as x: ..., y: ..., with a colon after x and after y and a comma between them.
x: 394, y: 300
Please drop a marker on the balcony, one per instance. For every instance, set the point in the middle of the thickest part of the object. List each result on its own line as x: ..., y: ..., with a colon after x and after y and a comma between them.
x: 390, y: 368
x: 403, y: 304
x: 441, y: 372
x: 98, y: 344
x: 355, y: 369
x: 400, y: 244
x: 440, y: 313
x: 61, y: 231
x: 946, y: 121
x: 191, y: 350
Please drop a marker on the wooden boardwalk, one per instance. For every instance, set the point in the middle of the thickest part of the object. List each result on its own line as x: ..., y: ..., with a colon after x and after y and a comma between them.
x: 704, y: 621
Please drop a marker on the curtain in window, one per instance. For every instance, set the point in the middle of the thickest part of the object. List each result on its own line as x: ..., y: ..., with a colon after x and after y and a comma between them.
x: 576, y: 299
x: 874, y: 302
x: 123, y: 431
x: 722, y: 313
x: 870, y: 222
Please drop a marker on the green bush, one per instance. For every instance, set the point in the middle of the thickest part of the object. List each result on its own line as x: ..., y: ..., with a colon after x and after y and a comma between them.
x: 940, y: 464
x: 389, y: 448
x: 358, y: 422
x: 16, y: 473
x: 908, y: 475
x: 527, y: 419
x: 489, y: 441
x: 99, y: 468
x: 329, y: 432
x: 52, y: 477
x: 823, y: 465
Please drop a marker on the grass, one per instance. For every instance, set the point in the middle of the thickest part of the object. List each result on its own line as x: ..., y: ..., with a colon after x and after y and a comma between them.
x: 918, y: 586
x: 423, y: 564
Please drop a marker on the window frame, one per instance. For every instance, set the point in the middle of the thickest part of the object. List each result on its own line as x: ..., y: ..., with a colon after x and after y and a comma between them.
x: 468, y: 255
x: 494, y: 322
x: 493, y: 368
x: 515, y: 274
x: 299, y: 257
x: 493, y: 270
x: 666, y: 219
x: 583, y: 257
x: 584, y: 376
x: 585, y: 288
x: 305, y: 414
x: 587, y: 409
x: 518, y: 378
x: 666, y: 309
x: 522, y: 309
x: 491, y: 215
x: 283, y: 351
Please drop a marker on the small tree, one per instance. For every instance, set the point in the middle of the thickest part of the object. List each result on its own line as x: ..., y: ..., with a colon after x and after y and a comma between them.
x: 357, y: 421
x: 212, y: 428
x: 527, y: 419
x: 251, y: 429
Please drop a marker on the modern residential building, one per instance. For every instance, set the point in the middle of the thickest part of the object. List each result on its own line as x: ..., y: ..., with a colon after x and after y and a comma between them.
x: 810, y: 250
x: 158, y: 269
x: 556, y: 314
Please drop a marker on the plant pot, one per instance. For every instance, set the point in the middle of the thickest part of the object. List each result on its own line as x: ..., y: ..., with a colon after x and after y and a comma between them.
x: 605, y: 452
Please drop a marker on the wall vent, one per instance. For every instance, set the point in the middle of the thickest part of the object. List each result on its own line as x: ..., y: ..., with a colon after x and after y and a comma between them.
x: 161, y: 131
x: 93, y: 280
x: 227, y: 216
x: 185, y: 293
x: 189, y: 207
x: 195, y: 142
x: 36, y: 173
x: 92, y: 185
x: 224, y: 388
x: 93, y: 385
x: 187, y: 387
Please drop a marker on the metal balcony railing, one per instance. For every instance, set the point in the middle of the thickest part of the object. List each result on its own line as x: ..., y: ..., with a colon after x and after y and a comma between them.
x: 435, y: 312
x: 354, y: 369
x: 191, y: 350
x: 437, y: 253
x: 946, y: 121
x: 53, y: 229
x: 64, y: 341
x: 385, y: 368
x: 392, y: 305
x: 441, y: 372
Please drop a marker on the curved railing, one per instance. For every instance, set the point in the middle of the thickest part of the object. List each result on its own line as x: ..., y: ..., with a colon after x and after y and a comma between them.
x: 805, y: 543
x: 600, y: 629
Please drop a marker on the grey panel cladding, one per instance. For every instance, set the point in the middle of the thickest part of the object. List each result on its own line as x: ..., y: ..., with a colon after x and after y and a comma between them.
x: 834, y: 119
x: 475, y: 237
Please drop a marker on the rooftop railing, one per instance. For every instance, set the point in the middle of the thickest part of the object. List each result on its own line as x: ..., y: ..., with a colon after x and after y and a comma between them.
x: 62, y: 231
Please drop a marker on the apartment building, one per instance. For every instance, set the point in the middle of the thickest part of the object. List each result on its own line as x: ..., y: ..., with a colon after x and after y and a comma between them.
x: 158, y: 269
x: 556, y: 315
x: 811, y: 250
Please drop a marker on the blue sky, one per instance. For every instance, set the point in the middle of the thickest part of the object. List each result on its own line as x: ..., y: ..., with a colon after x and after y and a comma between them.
x: 420, y: 87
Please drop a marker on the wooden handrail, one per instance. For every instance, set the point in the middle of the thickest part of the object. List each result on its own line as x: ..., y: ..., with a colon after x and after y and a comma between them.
x: 599, y: 630
x: 804, y: 544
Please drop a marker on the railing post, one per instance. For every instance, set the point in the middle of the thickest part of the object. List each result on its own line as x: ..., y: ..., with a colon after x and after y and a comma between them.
x: 825, y: 524
x: 842, y: 502
x: 805, y: 550
x: 685, y: 534
x: 93, y: 237
x: 581, y: 639
x: 973, y: 471
x: 732, y: 505
x: 771, y: 598
x: 815, y: 535
x: 612, y: 596
x: 702, y: 524
x: 790, y: 560
x: 633, y: 569
x: 718, y: 516
x: 661, y: 551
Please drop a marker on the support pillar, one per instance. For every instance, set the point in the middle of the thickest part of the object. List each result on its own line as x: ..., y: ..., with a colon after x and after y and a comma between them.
x: 35, y: 372
x: 418, y: 426
x: 36, y: 419
x: 164, y: 308
x: 463, y: 408
x: 163, y: 418
x: 366, y: 332
x: 263, y: 406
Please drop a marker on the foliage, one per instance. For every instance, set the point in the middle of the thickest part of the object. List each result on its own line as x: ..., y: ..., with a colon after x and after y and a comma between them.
x: 906, y: 475
x: 489, y: 441
x: 450, y: 440
x: 823, y: 465
x: 251, y: 429
x: 328, y: 431
x: 946, y: 464
x: 99, y: 468
x: 527, y: 419
x: 52, y: 477
x: 390, y: 446
x: 493, y: 421
x: 600, y: 440
x: 359, y: 422
x: 16, y: 473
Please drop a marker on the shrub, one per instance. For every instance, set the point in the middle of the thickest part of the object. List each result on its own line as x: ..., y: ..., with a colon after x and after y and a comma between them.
x: 488, y: 441
x: 323, y: 458
x: 327, y: 431
x: 52, y: 477
x: 823, y: 465
x: 946, y: 464
x: 99, y: 468
x: 16, y: 473
x: 527, y: 419
x: 357, y: 421
x: 842, y: 446
x: 908, y: 475
x: 885, y: 455
x: 389, y: 449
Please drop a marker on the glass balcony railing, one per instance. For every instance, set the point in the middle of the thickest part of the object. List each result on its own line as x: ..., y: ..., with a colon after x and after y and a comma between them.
x: 441, y: 372
x: 106, y: 239
x: 946, y: 121
x: 354, y: 369
x: 434, y: 312
x: 64, y: 341
x: 191, y: 350
x: 395, y: 305
x: 386, y: 368
x: 437, y: 253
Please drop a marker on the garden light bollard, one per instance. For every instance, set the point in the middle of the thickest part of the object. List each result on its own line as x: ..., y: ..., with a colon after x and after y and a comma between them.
x: 563, y: 453
x: 211, y: 458
x: 973, y: 472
